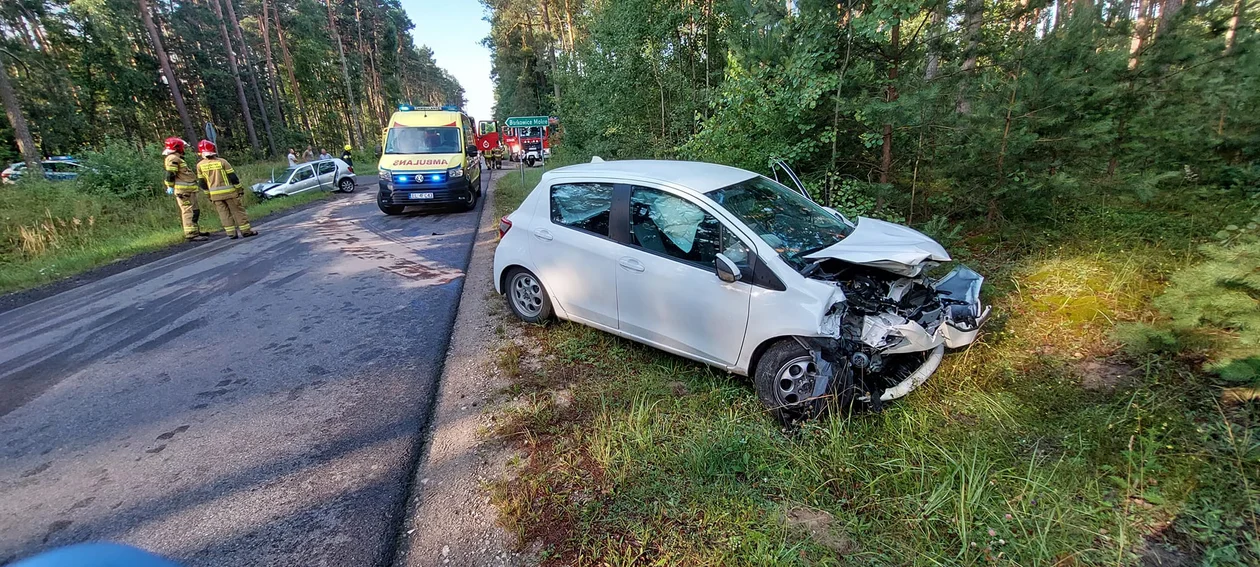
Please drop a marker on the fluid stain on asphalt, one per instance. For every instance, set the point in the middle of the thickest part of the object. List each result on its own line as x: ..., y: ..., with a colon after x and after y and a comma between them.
x: 305, y: 463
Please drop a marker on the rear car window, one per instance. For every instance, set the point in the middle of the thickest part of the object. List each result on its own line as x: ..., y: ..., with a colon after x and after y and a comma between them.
x: 584, y: 206
x: 326, y: 167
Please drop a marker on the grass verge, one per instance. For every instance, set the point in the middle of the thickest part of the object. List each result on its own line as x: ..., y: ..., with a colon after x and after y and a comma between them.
x: 1039, y: 445
x: 512, y: 187
x: 52, y: 231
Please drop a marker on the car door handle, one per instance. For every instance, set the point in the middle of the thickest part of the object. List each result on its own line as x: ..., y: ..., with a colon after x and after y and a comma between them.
x: 543, y: 234
x: 631, y: 264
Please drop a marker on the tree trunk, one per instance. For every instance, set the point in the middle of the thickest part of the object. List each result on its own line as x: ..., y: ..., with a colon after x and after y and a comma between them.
x: 272, y: 75
x: 973, y: 21
x: 1232, y: 32
x: 885, y: 164
x: 293, y: 82
x: 236, y: 77
x: 551, y: 51
x: 345, y: 75
x: 382, y: 111
x: 164, y: 62
x: 376, y: 101
x: 13, y: 109
x: 1167, y: 12
x: 1139, y: 33
x: 935, y: 27
x: 253, y: 79
x: 568, y: 23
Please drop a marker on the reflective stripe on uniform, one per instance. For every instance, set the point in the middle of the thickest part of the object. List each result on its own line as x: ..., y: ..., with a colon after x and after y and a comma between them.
x: 222, y: 191
x: 192, y: 186
x: 210, y: 165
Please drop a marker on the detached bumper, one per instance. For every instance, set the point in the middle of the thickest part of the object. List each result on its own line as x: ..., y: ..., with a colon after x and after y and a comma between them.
x: 456, y: 191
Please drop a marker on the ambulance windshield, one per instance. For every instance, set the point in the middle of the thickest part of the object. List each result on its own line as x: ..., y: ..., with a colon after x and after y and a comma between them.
x: 422, y: 140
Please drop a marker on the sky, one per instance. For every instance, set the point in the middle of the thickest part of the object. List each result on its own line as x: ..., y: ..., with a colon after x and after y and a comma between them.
x: 453, y: 29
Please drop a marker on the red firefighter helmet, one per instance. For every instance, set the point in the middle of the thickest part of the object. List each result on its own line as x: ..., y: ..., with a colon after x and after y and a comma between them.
x: 176, y: 144
x: 206, y: 147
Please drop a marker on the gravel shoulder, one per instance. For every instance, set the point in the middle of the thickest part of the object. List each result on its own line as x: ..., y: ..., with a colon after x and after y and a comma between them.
x: 451, y: 520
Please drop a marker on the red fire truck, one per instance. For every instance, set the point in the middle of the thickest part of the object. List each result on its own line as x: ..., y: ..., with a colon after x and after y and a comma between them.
x: 528, y: 143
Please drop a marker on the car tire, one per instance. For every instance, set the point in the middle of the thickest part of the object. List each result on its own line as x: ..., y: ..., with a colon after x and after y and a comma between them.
x: 784, y: 382
x: 346, y: 185
x: 386, y: 208
x: 526, y: 296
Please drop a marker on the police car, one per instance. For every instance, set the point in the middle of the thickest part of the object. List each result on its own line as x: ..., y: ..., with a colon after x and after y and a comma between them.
x: 59, y: 168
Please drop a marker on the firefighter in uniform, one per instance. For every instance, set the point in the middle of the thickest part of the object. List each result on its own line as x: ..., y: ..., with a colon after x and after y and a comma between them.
x: 182, y: 183
x: 496, y: 157
x: 346, y: 157
x: 217, y: 179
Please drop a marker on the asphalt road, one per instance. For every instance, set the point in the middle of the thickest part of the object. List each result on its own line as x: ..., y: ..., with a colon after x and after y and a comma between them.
x: 250, y: 402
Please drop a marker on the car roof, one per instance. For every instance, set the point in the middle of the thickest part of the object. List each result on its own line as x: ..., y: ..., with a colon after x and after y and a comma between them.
x: 696, y: 176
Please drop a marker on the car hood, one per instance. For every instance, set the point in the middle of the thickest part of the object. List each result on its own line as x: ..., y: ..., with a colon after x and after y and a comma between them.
x: 264, y: 187
x: 898, y: 249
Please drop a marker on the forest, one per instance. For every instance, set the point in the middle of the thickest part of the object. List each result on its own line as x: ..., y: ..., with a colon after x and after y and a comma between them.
x: 268, y: 74
x: 1094, y: 159
x: 896, y: 101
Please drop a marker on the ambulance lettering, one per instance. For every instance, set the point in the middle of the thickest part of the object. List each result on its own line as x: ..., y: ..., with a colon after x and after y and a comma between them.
x: 418, y: 162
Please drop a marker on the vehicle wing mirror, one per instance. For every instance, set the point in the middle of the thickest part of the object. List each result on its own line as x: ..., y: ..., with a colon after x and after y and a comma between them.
x: 727, y: 271
x: 470, y: 151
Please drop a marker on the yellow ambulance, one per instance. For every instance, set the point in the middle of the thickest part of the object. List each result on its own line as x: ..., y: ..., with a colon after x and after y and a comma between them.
x: 429, y: 159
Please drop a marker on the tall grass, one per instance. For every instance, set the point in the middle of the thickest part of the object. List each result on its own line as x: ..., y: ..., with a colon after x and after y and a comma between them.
x: 1003, y: 458
x: 51, y: 230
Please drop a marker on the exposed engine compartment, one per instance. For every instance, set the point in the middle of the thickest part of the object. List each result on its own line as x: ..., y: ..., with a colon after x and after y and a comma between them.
x: 892, y: 329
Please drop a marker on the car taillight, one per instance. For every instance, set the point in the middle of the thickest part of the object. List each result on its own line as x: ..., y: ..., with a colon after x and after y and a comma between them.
x: 351, y: 168
x: 505, y: 224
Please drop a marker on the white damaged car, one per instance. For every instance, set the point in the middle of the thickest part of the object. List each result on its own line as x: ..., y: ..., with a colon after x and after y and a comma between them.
x: 735, y: 270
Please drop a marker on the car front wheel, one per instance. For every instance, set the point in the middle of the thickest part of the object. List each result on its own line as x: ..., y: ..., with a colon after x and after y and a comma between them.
x: 526, y: 296
x: 785, y: 378
x: 386, y: 207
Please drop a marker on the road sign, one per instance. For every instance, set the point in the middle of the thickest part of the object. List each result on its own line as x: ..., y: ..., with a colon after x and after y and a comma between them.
x: 525, y: 121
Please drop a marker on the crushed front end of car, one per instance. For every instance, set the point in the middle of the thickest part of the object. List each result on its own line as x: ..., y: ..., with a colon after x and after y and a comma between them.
x: 888, y: 328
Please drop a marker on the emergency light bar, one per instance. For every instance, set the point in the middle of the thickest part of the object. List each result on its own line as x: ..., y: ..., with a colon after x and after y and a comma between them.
x: 408, y: 107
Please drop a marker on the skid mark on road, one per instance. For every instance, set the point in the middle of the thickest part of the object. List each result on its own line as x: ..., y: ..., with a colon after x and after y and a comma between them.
x: 386, y: 254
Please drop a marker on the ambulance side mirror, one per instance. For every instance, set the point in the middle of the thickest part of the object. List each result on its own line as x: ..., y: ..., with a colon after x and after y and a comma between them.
x: 470, y: 151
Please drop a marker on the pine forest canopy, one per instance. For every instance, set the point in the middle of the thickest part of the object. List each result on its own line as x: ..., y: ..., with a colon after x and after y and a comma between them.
x: 297, y: 72
x: 957, y: 106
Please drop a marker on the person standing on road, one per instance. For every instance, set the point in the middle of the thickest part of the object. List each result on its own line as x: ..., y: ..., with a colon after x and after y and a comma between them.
x: 216, y: 177
x: 308, y: 155
x: 292, y: 158
x: 347, y: 157
x: 182, y: 183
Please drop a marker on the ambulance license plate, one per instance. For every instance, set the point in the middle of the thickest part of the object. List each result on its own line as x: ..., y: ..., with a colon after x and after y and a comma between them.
x: 422, y: 195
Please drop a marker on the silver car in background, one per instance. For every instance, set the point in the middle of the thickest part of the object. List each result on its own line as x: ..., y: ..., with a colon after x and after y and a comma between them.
x: 320, y: 175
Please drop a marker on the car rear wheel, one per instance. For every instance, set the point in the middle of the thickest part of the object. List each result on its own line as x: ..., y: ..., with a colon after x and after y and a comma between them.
x: 346, y: 185
x: 526, y: 296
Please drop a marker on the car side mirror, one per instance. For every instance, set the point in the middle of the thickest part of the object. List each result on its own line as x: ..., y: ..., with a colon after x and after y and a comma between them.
x: 470, y: 151
x: 727, y: 271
